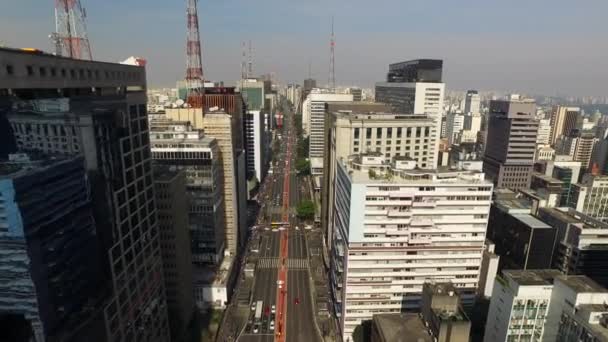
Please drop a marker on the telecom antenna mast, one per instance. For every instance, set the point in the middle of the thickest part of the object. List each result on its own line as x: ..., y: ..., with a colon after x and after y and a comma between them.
x: 332, y: 71
x: 195, y: 84
x: 244, y: 62
x: 250, y: 63
x: 70, y: 36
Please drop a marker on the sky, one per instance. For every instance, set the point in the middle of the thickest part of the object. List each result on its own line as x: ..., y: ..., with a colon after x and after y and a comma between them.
x: 550, y: 47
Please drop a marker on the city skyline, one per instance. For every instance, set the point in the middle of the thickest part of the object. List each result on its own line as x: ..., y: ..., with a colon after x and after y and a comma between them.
x: 531, y: 53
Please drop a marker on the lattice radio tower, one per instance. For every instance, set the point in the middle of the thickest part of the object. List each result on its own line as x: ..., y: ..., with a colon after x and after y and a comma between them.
x: 195, y: 84
x: 70, y: 36
x: 332, y: 70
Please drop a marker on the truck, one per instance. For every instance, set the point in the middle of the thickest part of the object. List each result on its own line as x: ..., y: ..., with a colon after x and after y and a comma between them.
x: 258, y: 310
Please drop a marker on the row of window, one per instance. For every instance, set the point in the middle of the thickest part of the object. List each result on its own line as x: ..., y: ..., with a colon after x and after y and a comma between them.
x: 75, y: 73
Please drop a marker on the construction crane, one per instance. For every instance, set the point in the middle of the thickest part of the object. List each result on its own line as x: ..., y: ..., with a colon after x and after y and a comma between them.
x: 195, y: 84
x: 70, y: 37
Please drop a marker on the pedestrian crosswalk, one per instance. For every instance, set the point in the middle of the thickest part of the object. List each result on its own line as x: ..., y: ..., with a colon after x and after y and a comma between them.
x: 298, y: 264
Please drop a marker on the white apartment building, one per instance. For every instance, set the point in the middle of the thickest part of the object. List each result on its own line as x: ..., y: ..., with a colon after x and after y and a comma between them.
x: 544, y: 305
x: 580, y: 147
x: 316, y: 107
x: 543, y: 137
x: 591, y: 197
x: 472, y: 102
x: 454, y: 125
x: 256, y: 144
x: 396, y: 227
x: 519, y: 306
x: 544, y: 152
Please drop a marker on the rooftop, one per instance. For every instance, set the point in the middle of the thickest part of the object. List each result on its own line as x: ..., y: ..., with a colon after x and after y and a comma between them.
x: 406, y: 327
x: 531, y: 221
x: 581, y: 284
x: 532, y: 277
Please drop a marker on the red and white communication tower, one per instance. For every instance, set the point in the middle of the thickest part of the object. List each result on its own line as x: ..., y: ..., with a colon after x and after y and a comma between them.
x: 70, y: 36
x: 195, y: 87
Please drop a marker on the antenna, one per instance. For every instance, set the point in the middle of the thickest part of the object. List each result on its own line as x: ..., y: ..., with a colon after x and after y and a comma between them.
x: 332, y: 71
x: 250, y: 63
x: 70, y: 36
x: 243, y: 61
x: 195, y: 84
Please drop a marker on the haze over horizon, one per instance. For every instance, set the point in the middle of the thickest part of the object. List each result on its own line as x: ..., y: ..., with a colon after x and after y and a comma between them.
x: 543, y: 47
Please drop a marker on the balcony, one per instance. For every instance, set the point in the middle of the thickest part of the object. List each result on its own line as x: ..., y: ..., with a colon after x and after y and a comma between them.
x: 399, y: 213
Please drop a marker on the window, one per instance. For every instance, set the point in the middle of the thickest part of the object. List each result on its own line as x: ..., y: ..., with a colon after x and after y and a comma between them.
x: 356, y: 133
x: 30, y: 70
x: 389, y: 133
x: 10, y: 70
x: 368, y: 133
x: 378, y: 133
x: 42, y: 71
x: 398, y: 133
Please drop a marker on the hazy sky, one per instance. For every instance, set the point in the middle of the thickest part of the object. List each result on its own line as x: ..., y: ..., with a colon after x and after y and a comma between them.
x: 534, y: 46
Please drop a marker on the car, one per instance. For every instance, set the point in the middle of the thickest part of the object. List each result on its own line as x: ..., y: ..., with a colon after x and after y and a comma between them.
x: 297, y: 228
x: 272, y: 325
x: 282, y: 228
x: 297, y: 301
x: 273, y: 308
x: 255, y: 250
x: 256, y: 328
x: 253, y: 306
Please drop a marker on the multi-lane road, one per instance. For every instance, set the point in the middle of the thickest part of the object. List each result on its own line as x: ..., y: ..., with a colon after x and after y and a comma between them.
x: 282, y: 277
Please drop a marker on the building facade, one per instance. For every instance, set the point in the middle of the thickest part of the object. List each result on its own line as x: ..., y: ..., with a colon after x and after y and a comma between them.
x: 472, y: 102
x: 179, y: 146
x: 173, y: 209
x: 396, y: 228
x: 256, y: 145
x: 563, y: 121
x: 50, y: 250
x: 511, y: 142
x: 98, y: 110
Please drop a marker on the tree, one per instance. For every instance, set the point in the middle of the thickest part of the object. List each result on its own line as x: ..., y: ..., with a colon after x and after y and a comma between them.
x: 306, y: 210
x: 303, y: 166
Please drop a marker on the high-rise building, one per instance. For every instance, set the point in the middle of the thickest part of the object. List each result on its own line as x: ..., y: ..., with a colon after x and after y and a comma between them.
x: 544, y: 132
x: 583, y: 248
x: 256, y: 145
x: 563, y: 121
x: 225, y: 126
x: 397, y: 223
x: 544, y: 305
x: 443, y: 314
x: 315, y: 105
x: 454, y: 126
x: 357, y: 128
x: 173, y: 212
x: 472, y: 102
x: 50, y: 254
x: 511, y: 142
x: 253, y: 91
x: 520, y: 305
x: 590, y: 197
x: 357, y: 94
x: 309, y: 84
x: 179, y: 146
x: 579, y: 145
x: 98, y: 110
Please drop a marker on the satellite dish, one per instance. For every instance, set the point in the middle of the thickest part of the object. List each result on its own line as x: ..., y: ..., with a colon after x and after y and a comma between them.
x: 179, y: 102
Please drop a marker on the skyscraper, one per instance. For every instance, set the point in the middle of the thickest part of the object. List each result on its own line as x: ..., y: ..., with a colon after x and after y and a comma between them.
x: 511, y: 142
x: 563, y: 120
x: 49, y: 251
x: 472, y: 102
x: 98, y: 110
x: 396, y: 225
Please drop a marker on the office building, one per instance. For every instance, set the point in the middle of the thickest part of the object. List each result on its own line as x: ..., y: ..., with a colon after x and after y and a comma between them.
x: 98, y: 110
x: 454, y: 126
x: 442, y: 319
x: 579, y: 145
x: 472, y: 103
x: 522, y: 241
x: 520, y: 305
x: 418, y: 70
x: 389, y: 221
x: 442, y: 313
x: 309, y: 84
x: 488, y: 270
x: 315, y: 108
x: 543, y: 305
x: 399, y: 327
x: 256, y: 145
x: 178, y: 146
x: 357, y: 94
x: 511, y: 142
x: 582, y: 247
x: 358, y: 128
x: 50, y: 253
x: 544, y: 132
x: 563, y: 121
x: 173, y: 212
x: 226, y: 127
x: 253, y: 91
x: 590, y: 197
